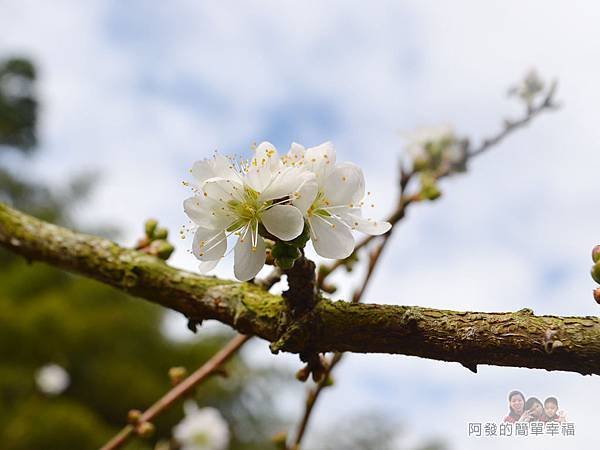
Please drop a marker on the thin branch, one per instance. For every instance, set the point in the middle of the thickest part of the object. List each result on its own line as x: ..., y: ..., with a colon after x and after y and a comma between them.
x: 270, y: 280
x: 180, y: 390
x: 405, y: 176
x: 546, y: 104
x: 314, y: 393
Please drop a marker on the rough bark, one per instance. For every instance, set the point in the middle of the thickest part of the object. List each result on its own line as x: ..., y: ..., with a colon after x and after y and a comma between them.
x: 519, y: 339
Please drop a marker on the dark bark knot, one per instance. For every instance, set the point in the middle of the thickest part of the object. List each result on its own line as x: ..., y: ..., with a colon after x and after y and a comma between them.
x: 299, y: 327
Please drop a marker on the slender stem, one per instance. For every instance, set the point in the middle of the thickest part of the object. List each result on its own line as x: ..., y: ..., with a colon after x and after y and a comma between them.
x: 270, y: 280
x: 373, y: 259
x: 208, y: 368
x: 404, y: 201
x: 314, y: 393
x: 547, y: 104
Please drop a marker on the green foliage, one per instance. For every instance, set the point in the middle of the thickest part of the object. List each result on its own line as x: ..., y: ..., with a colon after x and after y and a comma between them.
x: 111, y: 345
x: 117, y: 358
x: 35, y: 422
x: 18, y: 107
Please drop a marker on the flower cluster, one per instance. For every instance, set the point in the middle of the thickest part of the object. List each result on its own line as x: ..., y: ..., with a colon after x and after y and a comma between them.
x: 277, y: 197
x: 201, y: 429
x: 430, y: 147
x: 529, y: 88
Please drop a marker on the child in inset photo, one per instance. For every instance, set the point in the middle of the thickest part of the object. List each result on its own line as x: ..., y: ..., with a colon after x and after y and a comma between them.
x: 551, y: 412
x: 534, y: 411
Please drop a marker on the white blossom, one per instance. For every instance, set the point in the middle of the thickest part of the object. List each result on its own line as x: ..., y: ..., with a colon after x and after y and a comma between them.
x: 52, y: 379
x: 435, y: 142
x: 529, y: 87
x: 235, y: 198
x: 201, y: 429
x: 332, y: 201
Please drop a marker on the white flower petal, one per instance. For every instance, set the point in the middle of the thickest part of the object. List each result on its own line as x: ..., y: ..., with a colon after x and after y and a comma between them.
x: 248, y: 260
x: 203, y: 170
x: 207, y: 266
x: 222, y: 190
x: 190, y: 407
x: 206, y: 212
x: 283, y: 221
x: 258, y: 178
x: 368, y: 226
x: 305, y: 196
x: 223, y: 167
x: 217, y: 166
x: 345, y: 184
x: 266, y: 155
x: 283, y: 182
x: 202, y: 428
x: 296, y: 153
x: 194, y: 210
x: 209, y: 245
x: 320, y: 159
x: 331, y: 238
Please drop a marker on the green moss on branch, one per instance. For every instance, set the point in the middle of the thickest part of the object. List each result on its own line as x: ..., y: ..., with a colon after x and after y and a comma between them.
x: 518, y: 339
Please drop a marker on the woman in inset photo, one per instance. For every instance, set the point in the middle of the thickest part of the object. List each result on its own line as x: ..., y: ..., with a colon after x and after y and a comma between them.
x: 516, y: 403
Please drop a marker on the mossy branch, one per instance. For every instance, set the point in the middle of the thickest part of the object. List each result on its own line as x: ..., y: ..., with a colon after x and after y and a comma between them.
x: 518, y: 339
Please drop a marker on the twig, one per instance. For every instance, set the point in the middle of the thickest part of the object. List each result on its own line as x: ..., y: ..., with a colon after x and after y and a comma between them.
x: 405, y: 200
x: 270, y: 280
x: 547, y: 104
x: 398, y: 215
x: 208, y: 368
x: 313, y: 394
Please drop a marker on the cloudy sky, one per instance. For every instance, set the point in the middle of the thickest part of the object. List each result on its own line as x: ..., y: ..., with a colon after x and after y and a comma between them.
x: 137, y: 91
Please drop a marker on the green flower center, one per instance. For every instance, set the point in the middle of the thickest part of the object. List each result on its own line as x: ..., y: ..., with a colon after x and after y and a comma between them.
x: 317, y: 207
x: 247, y: 210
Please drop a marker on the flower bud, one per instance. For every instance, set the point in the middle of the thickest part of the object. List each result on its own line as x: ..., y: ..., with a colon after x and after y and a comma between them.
x: 164, y: 250
x: 329, y: 288
x: 596, y: 253
x: 283, y: 250
x: 161, y: 233
x: 420, y: 164
x: 597, y: 295
x: 145, y: 430
x: 285, y: 263
x: 596, y: 272
x: 177, y: 374
x: 142, y: 243
x: 279, y: 440
x: 133, y: 416
x: 303, y: 374
x: 285, y: 255
x: 429, y: 188
x: 150, y: 226
x: 302, y: 239
x: 431, y: 192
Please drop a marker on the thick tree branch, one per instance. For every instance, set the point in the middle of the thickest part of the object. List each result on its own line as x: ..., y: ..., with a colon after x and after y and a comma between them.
x: 518, y: 339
